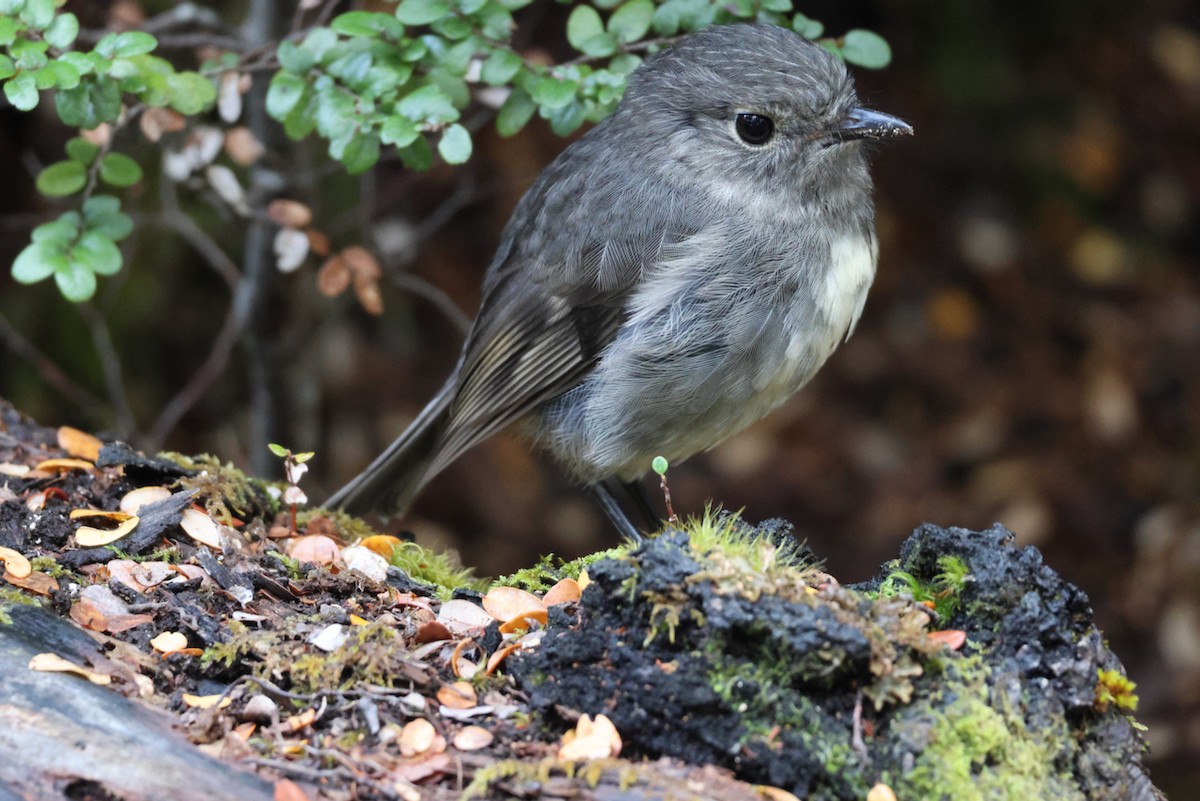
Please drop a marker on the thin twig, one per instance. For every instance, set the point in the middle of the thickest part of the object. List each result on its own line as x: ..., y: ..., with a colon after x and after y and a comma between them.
x: 50, y: 372
x: 110, y: 362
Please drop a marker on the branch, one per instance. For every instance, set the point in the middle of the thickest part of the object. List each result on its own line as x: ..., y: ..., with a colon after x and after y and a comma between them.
x: 49, y: 371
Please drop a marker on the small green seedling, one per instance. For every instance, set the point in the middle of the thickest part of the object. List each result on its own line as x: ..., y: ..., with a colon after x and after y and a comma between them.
x: 294, y: 468
x: 660, y: 465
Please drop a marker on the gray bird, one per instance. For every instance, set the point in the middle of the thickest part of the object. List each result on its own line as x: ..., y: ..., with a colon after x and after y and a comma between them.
x: 673, y: 276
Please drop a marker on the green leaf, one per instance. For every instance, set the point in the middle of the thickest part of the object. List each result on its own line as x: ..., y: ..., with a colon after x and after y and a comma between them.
x: 428, y: 104
x: 119, y: 170
x: 81, y: 150
x: 624, y: 64
x: 75, y: 281
x: 62, y: 178
x: 131, y: 43
x: 103, y: 213
x: 58, y: 74
x: 22, y: 92
x: 421, y: 12
x: 417, y: 156
x: 360, y: 153
x: 600, y: 46
x: 583, y: 24
x: 29, y: 54
x: 808, y: 28
x: 190, y: 92
x: 97, y: 252
x: 659, y: 465
x: 552, y: 93
x: 7, y: 67
x: 568, y: 118
x: 63, y: 230
x: 318, y: 43
x: 367, y: 23
x: 455, y: 145
x: 631, y: 20
x: 495, y: 22
x: 452, y: 27
x: 398, y: 130
x: 500, y: 67
x: 293, y: 58
x: 453, y: 86
x: 517, y: 110
x: 866, y: 49
x: 38, y: 261
x: 9, y: 28
x: 667, y: 19
x: 781, y: 6
x: 89, y: 104
x: 62, y: 32
x: 284, y: 93
x: 278, y: 450
x: 38, y: 14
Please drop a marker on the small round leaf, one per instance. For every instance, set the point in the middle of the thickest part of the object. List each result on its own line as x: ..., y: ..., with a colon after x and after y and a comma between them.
x: 583, y: 24
x: 631, y: 20
x: 119, y: 170
x: 421, y: 12
x: 62, y: 178
x: 21, y: 91
x: 866, y: 49
x: 75, y: 281
x: 38, y: 261
x: 455, y: 145
x: 98, y: 253
x: 62, y: 31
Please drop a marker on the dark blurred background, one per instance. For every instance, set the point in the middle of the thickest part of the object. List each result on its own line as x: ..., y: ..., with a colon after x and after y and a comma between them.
x: 1029, y: 353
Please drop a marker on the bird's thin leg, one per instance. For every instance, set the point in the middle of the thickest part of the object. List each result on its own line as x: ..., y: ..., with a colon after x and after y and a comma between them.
x: 639, y: 496
x: 612, y: 507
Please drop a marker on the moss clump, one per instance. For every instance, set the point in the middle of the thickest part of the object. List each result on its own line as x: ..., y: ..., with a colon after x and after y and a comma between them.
x: 227, y: 493
x: 551, y: 569
x: 978, y: 746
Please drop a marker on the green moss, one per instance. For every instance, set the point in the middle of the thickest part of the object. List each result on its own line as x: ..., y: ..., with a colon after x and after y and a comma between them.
x: 551, y: 569
x: 978, y: 748
x: 439, y: 569
x: 50, y: 566
x: 226, y: 492
x: 10, y: 597
x: 943, y: 591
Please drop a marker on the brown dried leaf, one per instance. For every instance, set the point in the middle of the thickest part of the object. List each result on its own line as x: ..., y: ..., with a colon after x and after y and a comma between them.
x: 53, y: 663
x: 134, y: 500
x: 201, y: 527
x: 432, y: 631
x: 155, y: 122
x: 416, y: 737
x: 318, y: 241
x: 88, y: 615
x: 315, y: 548
x: 15, y: 563
x: 563, y: 592
x: 90, y: 537
x: 63, y: 465
x: 362, y: 263
x: 36, y: 582
x: 507, y: 603
x: 497, y: 658
x: 591, y: 739
x: 206, y: 701
x: 369, y: 296
x: 473, y: 738
x: 169, y: 642
x: 243, y: 146
x: 459, y: 695
x: 289, y: 213
x: 779, y: 794
x: 880, y: 792
x: 334, y: 277
x: 78, y: 443
x: 463, y: 617
x: 288, y: 790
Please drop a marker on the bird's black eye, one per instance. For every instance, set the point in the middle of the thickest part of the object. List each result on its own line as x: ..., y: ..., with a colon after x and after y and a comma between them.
x: 754, y: 129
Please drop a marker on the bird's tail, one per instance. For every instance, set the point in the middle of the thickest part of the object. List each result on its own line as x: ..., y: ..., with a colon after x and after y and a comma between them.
x: 392, y: 481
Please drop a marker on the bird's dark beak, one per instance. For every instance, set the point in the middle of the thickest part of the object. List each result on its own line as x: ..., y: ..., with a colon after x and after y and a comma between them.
x: 863, y: 123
